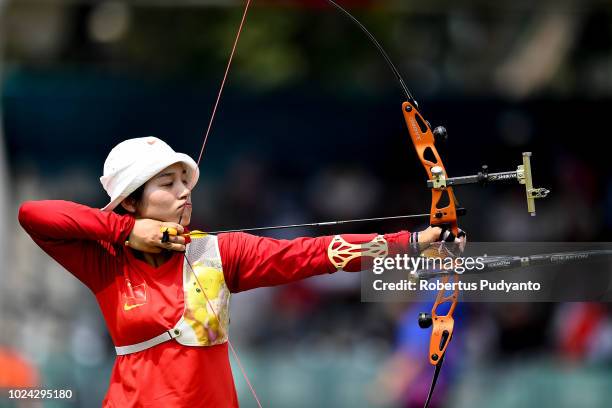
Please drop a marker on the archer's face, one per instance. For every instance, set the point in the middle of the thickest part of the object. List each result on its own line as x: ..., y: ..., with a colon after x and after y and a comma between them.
x: 166, y: 196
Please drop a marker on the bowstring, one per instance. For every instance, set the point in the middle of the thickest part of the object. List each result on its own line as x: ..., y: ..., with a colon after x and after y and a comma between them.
x: 208, y: 129
x: 227, y: 68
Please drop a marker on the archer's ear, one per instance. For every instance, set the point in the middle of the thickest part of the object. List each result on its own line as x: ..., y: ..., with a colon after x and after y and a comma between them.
x: 129, y: 205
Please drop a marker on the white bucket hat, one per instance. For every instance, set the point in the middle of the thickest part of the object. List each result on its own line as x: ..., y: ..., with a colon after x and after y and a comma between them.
x: 134, y: 161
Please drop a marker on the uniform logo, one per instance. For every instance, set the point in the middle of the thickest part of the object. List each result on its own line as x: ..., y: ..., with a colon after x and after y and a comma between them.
x: 136, y: 296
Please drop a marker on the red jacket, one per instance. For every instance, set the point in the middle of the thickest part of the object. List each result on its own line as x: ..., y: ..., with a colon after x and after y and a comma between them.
x: 89, y: 243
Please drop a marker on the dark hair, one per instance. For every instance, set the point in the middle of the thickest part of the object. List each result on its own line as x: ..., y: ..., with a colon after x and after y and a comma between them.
x: 136, y: 196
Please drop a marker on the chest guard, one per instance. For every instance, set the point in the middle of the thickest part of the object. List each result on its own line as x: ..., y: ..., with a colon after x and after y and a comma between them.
x: 199, y: 325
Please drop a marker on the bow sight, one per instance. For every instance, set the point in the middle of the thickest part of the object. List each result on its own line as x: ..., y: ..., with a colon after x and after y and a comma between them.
x: 522, y: 174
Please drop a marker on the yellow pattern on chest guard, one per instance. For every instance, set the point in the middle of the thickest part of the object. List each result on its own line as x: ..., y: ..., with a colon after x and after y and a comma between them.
x: 198, y: 313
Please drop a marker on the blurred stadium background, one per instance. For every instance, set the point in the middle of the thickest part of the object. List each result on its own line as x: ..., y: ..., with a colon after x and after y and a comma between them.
x: 310, y: 128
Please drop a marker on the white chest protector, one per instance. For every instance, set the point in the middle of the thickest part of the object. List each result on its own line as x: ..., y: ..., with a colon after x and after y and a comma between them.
x: 199, y: 325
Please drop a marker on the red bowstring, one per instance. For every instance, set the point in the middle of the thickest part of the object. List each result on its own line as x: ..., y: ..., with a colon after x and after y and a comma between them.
x: 210, y: 123
x: 229, y: 63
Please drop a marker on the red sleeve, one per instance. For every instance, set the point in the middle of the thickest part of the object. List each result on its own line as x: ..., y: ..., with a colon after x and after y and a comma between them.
x: 80, y: 238
x: 251, y: 262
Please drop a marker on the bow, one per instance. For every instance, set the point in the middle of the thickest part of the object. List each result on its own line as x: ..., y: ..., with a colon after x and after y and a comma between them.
x: 444, y: 205
x: 443, y: 213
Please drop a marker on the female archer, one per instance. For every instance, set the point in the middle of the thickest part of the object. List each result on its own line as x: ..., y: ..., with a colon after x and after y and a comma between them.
x: 164, y: 293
